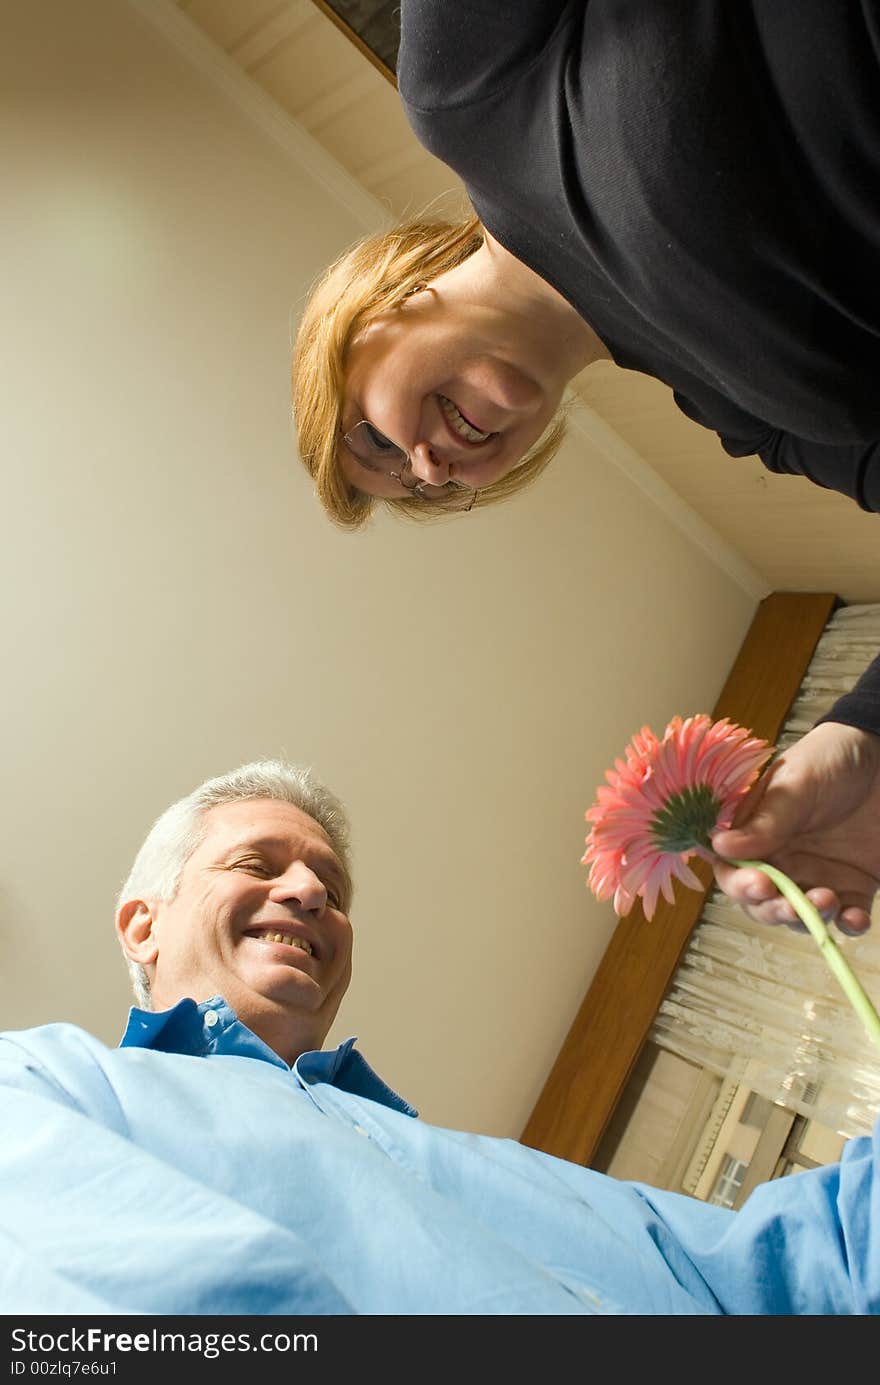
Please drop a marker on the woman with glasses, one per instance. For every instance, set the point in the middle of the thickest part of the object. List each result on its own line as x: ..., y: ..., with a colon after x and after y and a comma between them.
x: 689, y: 188
x: 428, y: 372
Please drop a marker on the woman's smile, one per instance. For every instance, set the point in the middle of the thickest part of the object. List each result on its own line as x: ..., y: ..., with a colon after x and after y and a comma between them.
x: 435, y: 388
x: 461, y: 427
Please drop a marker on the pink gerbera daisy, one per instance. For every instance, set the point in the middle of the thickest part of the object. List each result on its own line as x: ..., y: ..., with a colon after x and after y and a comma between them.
x: 662, y: 804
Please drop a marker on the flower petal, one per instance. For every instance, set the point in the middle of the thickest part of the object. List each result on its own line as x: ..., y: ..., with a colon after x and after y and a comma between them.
x: 661, y: 802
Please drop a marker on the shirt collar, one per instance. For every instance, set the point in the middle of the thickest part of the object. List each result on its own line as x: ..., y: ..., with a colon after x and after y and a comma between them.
x: 209, y: 1028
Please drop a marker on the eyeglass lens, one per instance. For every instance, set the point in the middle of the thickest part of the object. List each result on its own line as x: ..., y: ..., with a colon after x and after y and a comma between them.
x: 374, y: 451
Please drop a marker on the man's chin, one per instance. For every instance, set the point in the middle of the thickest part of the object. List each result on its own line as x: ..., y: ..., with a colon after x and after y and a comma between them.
x: 281, y: 989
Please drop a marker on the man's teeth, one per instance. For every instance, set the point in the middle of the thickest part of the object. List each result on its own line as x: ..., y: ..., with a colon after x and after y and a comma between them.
x: 268, y: 937
x: 459, y: 423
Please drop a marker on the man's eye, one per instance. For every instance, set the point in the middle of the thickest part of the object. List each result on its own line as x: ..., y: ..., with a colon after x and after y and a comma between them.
x: 333, y: 900
x: 253, y: 865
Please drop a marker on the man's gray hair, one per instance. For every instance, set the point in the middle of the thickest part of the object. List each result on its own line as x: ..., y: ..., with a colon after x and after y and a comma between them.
x: 174, y: 836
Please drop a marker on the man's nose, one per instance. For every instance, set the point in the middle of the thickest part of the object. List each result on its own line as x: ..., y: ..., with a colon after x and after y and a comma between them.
x: 302, y: 888
x: 428, y: 464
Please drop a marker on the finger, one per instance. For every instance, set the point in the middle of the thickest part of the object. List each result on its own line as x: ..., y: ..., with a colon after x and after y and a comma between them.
x: 770, y: 828
x: 745, y: 885
x: 775, y: 913
x: 853, y: 923
x: 824, y: 901
x: 769, y: 817
x: 757, y: 896
x: 854, y: 916
x: 779, y: 912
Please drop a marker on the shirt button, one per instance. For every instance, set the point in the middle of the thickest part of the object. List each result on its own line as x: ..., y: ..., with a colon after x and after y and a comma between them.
x: 361, y: 1131
x: 212, y: 1018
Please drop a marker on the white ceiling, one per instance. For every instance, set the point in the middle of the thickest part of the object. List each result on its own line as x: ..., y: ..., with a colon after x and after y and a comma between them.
x: 800, y: 537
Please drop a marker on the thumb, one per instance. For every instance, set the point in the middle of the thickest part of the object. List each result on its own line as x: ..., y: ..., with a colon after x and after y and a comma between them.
x: 765, y: 822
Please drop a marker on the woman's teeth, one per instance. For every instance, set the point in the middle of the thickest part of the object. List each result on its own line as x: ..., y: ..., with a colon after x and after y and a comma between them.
x: 459, y: 423
x: 301, y: 943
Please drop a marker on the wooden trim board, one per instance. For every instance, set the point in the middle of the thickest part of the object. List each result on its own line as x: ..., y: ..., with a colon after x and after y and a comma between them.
x: 600, y: 1051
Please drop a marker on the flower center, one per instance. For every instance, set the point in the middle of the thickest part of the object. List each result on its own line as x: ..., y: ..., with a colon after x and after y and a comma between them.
x: 686, y: 819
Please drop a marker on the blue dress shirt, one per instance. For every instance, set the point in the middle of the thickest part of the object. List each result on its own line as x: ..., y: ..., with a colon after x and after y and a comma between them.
x: 191, y: 1171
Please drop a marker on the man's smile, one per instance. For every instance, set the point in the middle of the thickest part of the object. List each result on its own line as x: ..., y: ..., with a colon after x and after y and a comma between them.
x: 286, y: 934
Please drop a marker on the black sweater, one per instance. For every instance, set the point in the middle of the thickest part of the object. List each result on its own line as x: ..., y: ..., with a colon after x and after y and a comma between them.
x: 701, y: 180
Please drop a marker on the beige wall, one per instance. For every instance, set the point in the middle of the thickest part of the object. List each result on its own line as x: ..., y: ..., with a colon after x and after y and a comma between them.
x: 174, y: 603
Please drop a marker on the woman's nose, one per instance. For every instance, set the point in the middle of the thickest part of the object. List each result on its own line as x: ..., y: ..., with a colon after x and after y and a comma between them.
x: 428, y: 465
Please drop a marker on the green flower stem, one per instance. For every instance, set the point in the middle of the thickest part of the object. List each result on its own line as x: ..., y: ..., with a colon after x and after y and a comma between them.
x: 857, y: 997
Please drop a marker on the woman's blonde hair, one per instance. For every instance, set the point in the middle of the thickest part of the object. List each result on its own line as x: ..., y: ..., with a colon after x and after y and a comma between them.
x: 374, y: 276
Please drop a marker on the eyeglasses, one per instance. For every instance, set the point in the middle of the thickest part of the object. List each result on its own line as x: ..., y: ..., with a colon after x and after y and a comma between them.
x: 376, y: 453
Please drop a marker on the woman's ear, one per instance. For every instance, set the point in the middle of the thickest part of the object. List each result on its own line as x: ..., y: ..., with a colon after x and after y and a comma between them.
x: 136, y: 931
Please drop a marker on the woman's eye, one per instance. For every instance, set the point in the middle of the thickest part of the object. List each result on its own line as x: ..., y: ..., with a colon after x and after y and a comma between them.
x: 378, y: 440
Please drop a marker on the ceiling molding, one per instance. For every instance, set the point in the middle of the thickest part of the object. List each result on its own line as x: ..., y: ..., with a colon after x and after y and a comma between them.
x: 600, y: 437
x: 299, y: 146
x: 257, y: 46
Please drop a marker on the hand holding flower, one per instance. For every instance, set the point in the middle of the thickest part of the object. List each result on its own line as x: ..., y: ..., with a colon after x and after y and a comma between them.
x: 668, y: 798
x: 815, y: 814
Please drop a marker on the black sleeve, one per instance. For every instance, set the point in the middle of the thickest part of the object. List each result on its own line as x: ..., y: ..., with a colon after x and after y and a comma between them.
x: 854, y: 470
x: 861, y: 707
x: 851, y: 468
x: 458, y: 53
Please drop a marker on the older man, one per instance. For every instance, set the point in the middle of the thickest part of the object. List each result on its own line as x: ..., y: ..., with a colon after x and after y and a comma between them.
x: 219, y: 1161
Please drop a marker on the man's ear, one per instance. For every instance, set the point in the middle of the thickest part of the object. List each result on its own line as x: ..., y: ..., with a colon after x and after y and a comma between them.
x: 135, y: 926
